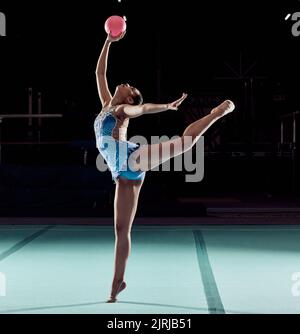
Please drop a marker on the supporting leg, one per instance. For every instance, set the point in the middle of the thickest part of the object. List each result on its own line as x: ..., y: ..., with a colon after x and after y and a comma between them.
x: 125, y: 206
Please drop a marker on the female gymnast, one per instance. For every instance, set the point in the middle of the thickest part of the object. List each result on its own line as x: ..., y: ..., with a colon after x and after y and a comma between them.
x: 110, y: 127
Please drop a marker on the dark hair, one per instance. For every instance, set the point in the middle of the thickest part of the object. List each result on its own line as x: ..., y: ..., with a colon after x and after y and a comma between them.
x: 137, y: 99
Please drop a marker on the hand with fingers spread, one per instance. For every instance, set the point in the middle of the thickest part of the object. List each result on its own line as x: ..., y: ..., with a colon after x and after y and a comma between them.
x: 174, y: 105
x: 111, y: 38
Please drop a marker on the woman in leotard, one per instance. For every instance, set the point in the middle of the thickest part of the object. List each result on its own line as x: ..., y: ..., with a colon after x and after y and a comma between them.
x: 129, y: 162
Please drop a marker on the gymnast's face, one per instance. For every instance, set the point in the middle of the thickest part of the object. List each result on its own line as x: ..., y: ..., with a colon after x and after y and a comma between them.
x: 127, y: 93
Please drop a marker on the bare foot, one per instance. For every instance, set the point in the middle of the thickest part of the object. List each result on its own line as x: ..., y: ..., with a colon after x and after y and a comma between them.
x: 224, y: 108
x: 116, y: 290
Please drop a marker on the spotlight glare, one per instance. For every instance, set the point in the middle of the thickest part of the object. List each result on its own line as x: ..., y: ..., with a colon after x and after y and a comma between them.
x: 287, y: 17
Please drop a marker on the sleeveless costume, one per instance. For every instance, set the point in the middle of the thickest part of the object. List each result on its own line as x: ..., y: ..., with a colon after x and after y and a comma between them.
x: 115, y: 152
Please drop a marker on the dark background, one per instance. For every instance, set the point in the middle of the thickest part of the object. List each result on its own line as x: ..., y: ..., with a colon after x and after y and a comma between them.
x: 212, y: 50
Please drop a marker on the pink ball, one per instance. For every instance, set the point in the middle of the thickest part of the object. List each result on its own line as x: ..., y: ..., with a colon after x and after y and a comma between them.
x: 115, y: 25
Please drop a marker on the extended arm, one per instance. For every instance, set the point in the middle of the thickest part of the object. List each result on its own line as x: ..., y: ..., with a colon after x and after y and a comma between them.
x: 104, y: 93
x: 151, y: 108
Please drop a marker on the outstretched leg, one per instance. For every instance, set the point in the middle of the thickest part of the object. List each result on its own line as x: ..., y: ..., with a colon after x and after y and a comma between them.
x: 150, y: 156
x: 125, y: 206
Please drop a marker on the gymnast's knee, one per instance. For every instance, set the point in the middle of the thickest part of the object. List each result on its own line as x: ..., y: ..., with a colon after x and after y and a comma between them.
x: 188, y: 141
x: 121, y: 228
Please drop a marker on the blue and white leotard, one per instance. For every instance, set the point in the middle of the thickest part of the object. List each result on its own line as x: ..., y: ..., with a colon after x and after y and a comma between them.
x: 115, y: 152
